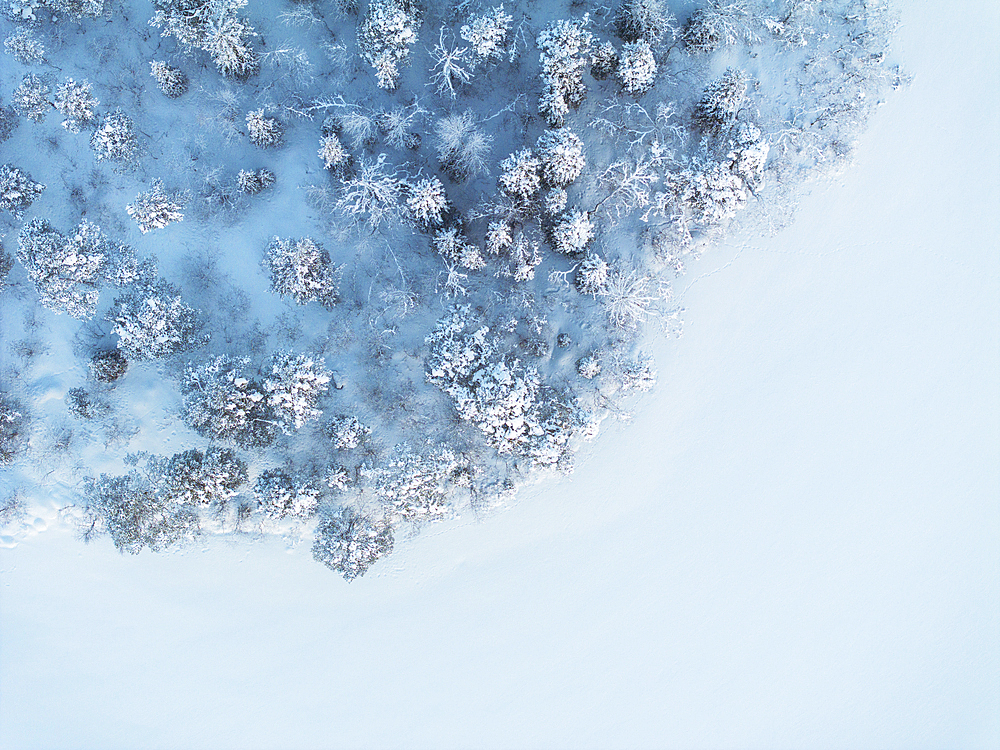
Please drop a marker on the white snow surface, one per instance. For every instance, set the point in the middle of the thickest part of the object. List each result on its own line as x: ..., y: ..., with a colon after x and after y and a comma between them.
x: 795, y: 544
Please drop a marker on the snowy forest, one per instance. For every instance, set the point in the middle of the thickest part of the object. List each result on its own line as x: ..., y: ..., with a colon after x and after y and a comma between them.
x: 336, y: 271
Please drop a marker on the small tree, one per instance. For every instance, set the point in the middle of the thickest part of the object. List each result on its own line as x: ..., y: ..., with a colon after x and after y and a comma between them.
x: 74, y: 102
x: 196, y: 478
x: 373, y: 191
x: 719, y: 23
x: 294, y: 386
x: 255, y: 181
x: 572, y: 233
x: 648, y: 20
x: 720, y: 104
x: 605, y: 61
x: 155, y: 208
x: 452, y: 245
x: 265, y: 132
x: 592, y: 276
x: 31, y: 100
x: 462, y: 147
x: 332, y: 152
x: 349, y: 542
x: 172, y: 81
x: 451, y: 67
x: 561, y: 154
x: 566, y: 50
x: 108, y: 365
x: 280, y: 496
x: 487, y: 34
x: 114, y: 139
x: 153, y: 322
x: 222, y: 403
x: 426, y: 203
x: 13, y: 429
x: 302, y: 269
x: 347, y: 432
x: 17, y: 190
x: 26, y: 48
x: 520, y: 176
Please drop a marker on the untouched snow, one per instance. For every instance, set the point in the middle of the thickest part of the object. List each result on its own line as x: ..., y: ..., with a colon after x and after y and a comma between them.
x: 795, y: 544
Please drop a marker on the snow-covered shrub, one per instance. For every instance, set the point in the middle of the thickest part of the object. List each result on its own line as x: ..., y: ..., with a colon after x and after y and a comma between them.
x: 265, y: 132
x: 222, y: 403
x: 280, y: 496
x: 451, y: 67
x: 152, y: 321
x: 350, y: 542
x: 74, y: 102
x: 17, y: 190
x: 452, y: 245
x: 114, y: 139
x: 520, y: 176
x: 301, y: 268
x: 566, y: 50
x: 30, y: 99
x: 372, y: 191
x: 719, y: 23
x: 415, y: 486
x: 426, y: 203
x: 505, y: 399
x: 155, y: 208
x: 130, y: 510
x: 26, y: 48
x: 196, y: 478
x: 561, y: 155
x: 172, y: 81
x: 721, y: 102
x: 592, y: 276
x: 332, y: 152
x: 214, y: 26
x: 637, y: 67
x: 648, y: 20
x: 637, y: 374
x: 108, y: 365
x: 555, y: 201
x: 487, y: 34
x: 462, y: 147
x: 66, y: 271
x: 294, y: 385
x: 347, y: 432
x: 385, y: 36
x: 573, y: 232
x: 588, y: 367
x: 254, y: 181
x: 605, y: 61
x: 13, y: 429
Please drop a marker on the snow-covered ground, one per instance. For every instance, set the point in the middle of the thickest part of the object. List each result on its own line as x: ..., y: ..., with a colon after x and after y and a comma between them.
x: 795, y: 544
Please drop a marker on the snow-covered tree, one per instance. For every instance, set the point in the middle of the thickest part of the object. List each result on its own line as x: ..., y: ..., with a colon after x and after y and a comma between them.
x: 228, y: 43
x: 347, y: 432
x: 566, y: 51
x: 487, y: 33
x: 152, y: 321
x: 6, y: 263
x: 462, y: 147
x: 301, y: 268
x: 720, y: 104
x: 499, y: 237
x: 520, y: 175
x: 8, y: 122
x: 74, y: 102
x: 130, y: 510
x: 67, y: 271
x: 265, y: 132
x: 222, y: 403
x: 214, y: 26
x: 294, y: 385
x: 719, y: 23
x: 399, y: 126
x: 427, y: 203
x: 254, y: 181
x: 452, y: 67
x: 77, y: 9
x: 605, y: 61
x: 17, y: 190
x: 452, y: 245
x: 31, y: 98
x: 561, y: 154
x: 522, y: 258
x: 385, y: 36
x: 198, y: 479
x: 588, y: 367
x: 748, y: 153
x: 592, y: 276
x: 114, y: 139
x: 555, y: 201
x: 26, y: 48
x: 649, y: 20
x: 627, y: 297
x: 172, y: 81
x: 108, y: 365
x: 281, y: 496
x: 332, y: 152
x: 636, y: 67
x: 372, y: 192
x: 13, y: 429
x: 350, y: 542
x: 414, y: 486
x: 156, y: 208
x: 572, y: 233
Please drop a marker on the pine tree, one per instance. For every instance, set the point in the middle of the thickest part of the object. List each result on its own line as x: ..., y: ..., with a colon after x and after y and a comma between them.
x: 572, y: 233
x: 17, y: 190
x: 349, y: 542
x: 720, y: 104
x: 520, y: 175
x: 172, y: 81
x: 155, y: 208
x: 637, y: 67
x: 30, y: 99
x: 561, y: 154
x: 332, y: 152
x: 153, y: 321
x: 74, y: 102
x: 427, y: 203
x: 385, y: 36
x: 26, y: 48
x: 294, y: 385
x: 301, y: 268
x: 114, y: 139
x: 265, y: 132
